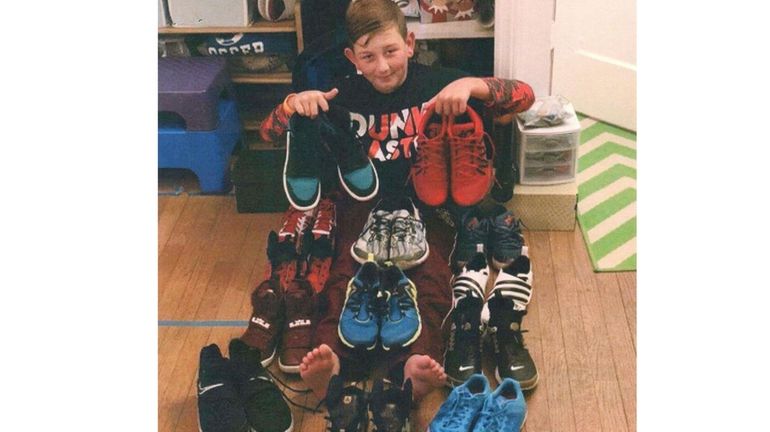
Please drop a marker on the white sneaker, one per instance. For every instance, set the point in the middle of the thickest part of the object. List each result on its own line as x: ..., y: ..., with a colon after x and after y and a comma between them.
x: 375, y: 237
x: 408, y: 243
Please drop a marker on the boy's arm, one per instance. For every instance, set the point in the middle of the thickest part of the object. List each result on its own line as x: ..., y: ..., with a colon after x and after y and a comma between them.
x: 276, y: 123
x: 308, y: 103
x: 508, y: 96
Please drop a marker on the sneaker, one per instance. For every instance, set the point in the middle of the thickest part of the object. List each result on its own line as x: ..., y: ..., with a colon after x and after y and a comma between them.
x: 359, y: 325
x: 301, y: 172
x: 471, y: 237
x: 347, y: 407
x: 430, y: 165
x: 507, y: 308
x: 506, y: 239
x: 463, y: 405
x: 472, y: 171
x: 285, y: 249
x: 354, y: 168
x: 266, y: 409
x: 408, y: 244
x: 322, y: 244
x: 390, y: 407
x: 463, y: 354
x: 375, y: 237
x: 401, y: 323
x: 219, y: 408
x: 504, y: 410
x: 298, y: 328
x: 266, y: 321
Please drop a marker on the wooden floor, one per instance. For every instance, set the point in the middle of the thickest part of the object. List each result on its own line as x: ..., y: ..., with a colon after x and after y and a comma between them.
x: 582, y: 325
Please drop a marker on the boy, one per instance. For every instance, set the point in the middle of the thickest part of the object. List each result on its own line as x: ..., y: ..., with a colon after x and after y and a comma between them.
x: 385, y: 101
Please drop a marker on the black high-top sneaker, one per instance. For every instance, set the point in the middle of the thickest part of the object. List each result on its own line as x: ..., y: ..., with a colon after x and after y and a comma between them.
x: 507, y: 307
x: 266, y: 409
x: 219, y: 407
x: 301, y: 171
x: 390, y: 407
x: 463, y: 353
x: 347, y: 407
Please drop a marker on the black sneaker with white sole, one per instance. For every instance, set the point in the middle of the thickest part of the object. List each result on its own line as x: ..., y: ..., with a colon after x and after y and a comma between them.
x: 390, y: 406
x: 219, y: 406
x: 266, y: 409
x: 347, y: 407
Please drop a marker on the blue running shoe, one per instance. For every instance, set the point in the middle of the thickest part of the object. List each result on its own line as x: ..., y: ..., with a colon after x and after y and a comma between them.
x: 401, y: 323
x: 359, y: 325
x: 504, y: 410
x: 506, y: 240
x: 471, y: 237
x: 462, y: 406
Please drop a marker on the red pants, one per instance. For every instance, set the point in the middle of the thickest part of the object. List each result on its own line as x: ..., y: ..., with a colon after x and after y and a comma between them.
x: 432, y: 277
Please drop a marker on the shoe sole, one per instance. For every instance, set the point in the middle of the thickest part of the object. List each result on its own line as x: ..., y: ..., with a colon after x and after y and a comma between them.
x: 525, y: 385
x: 353, y: 194
x: 287, y: 369
x: 358, y: 258
x: 266, y: 362
x: 286, y: 186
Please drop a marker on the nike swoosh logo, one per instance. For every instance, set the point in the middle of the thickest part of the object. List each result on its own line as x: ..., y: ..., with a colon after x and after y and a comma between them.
x: 465, y: 368
x: 515, y: 368
x: 202, y: 390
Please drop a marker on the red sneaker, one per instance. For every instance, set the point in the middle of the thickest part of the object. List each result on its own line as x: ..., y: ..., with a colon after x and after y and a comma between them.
x: 298, y: 327
x: 288, y: 247
x: 322, y: 247
x: 472, y: 171
x: 429, y: 167
x: 266, y: 321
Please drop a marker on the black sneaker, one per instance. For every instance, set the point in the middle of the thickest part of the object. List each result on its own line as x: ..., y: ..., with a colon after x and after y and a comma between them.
x: 472, y: 236
x: 354, y: 168
x: 347, y: 407
x: 266, y: 409
x: 301, y: 171
x: 506, y: 310
x: 219, y: 407
x: 462, y: 358
x: 390, y: 407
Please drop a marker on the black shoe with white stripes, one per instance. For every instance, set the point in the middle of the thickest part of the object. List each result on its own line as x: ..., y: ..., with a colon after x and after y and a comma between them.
x: 462, y: 358
x: 507, y: 307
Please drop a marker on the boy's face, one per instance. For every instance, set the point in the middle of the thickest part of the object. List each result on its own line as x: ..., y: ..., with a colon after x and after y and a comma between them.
x: 383, y: 58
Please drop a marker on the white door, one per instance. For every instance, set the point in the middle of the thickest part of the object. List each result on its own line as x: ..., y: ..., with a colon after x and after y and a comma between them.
x: 594, y: 58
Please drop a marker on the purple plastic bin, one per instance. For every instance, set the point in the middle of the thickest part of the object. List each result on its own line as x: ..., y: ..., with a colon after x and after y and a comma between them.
x: 190, y: 87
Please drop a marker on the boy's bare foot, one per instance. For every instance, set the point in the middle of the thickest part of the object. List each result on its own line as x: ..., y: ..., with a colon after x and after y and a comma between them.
x: 426, y: 374
x: 317, y: 368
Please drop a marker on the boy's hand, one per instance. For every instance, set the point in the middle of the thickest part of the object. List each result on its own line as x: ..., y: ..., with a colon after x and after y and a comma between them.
x: 308, y: 103
x: 453, y: 99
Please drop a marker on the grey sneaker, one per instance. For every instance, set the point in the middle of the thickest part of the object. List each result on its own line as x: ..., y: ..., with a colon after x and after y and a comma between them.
x: 408, y: 245
x: 375, y: 237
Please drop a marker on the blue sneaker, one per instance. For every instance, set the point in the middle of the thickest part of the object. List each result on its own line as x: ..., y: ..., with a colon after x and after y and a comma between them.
x: 359, y: 325
x: 504, y: 410
x: 471, y: 237
x: 506, y: 240
x: 401, y: 323
x: 462, y: 406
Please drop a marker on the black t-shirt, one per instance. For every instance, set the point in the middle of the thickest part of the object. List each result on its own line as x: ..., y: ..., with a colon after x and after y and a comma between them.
x: 388, y: 122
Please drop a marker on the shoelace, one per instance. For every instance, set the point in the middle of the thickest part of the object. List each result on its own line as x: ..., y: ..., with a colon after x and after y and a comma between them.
x: 470, y: 156
x: 324, y: 220
x: 405, y: 226
x: 461, y: 409
x: 379, y: 228
x: 429, y: 155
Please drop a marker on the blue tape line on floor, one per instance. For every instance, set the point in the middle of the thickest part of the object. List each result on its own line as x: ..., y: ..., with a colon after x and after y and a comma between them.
x: 202, y: 323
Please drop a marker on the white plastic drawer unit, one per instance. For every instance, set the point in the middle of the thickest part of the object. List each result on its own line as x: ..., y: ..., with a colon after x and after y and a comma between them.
x: 548, y: 155
x: 211, y: 13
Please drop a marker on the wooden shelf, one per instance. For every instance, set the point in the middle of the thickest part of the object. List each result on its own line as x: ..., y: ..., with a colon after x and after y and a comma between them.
x: 261, y: 26
x: 470, y: 29
x: 262, y: 78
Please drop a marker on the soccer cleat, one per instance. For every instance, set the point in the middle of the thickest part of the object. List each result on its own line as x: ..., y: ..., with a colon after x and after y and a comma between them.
x: 390, y: 407
x: 408, y: 243
x: 463, y: 405
x: 297, y: 334
x: 266, y: 321
x: 359, y: 324
x: 354, y: 168
x: 506, y: 240
x: 471, y: 237
x: 463, y: 354
x: 301, y: 171
x: 322, y: 244
x: 266, y: 409
x: 504, y: 410
x: 472, y: 171
x: 219, y: 407
x: 375, y: 237
x: 430, y: 164
x: 507, y: 307
x: 347, y: 407
x: 401, y: 323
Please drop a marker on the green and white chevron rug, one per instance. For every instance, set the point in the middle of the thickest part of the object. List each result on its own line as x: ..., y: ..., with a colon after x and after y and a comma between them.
x: 606, y: 176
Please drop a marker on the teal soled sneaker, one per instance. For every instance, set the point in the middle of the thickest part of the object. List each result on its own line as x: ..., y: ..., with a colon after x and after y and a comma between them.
x: 266, y: 409
x: 359, y: 324
x: 401, y: 323
x: 504, y: 410
x: 459, y: 411
x: 301, y: 170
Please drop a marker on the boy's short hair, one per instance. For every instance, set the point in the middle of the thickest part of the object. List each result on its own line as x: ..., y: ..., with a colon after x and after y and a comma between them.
x: 371, y: 16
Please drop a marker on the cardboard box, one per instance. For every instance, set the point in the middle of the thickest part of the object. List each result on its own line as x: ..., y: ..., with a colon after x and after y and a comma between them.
x: 545, y: 208
x: 438, y: 11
